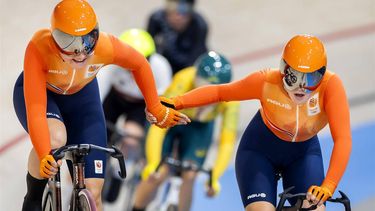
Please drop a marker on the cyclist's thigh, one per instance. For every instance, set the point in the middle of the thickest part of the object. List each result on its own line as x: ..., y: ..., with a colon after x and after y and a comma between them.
x: 304, y: 172
x: 169, y: 141
x: 255, y: 163
x: 195, y: 141
x: 256, y: 177
x: 84, y: 120
x: 53, y: 110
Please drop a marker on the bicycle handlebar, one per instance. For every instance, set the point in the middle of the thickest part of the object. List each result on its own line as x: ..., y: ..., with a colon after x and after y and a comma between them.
x: 85, y: 149
x: 185, y: 166
x: 302, y: 196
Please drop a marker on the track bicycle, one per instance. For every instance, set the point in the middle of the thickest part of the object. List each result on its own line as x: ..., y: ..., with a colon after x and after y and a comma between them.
x: 167, y: 199
x: 81, y: 199
x: 284, y: 196
x: 113, y: 184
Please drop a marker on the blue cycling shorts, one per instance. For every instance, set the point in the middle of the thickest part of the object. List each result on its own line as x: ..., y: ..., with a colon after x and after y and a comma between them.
x: 262, y: 156
x: 82, y: 114
x: 193, y: 141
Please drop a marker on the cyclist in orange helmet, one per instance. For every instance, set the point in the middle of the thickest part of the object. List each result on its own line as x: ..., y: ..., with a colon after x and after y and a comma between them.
x: 56, y: 97
x: 297, y: 101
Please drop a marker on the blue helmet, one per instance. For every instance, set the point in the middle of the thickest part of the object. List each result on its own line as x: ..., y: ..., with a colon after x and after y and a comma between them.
x: 213, y: 68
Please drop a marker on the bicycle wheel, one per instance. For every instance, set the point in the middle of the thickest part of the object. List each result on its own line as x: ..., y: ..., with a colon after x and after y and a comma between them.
x: 85, y: 201
x: 47, y: 202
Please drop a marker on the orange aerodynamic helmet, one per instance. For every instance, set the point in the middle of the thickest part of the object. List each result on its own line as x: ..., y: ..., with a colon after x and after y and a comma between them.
x: 74, y: 27
x: 303, y: 63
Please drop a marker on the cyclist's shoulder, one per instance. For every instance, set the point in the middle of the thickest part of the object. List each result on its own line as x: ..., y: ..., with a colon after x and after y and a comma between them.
x: 109, y: 46
x: 105, y: 41
x: 42, y: 43
x: 271, y: 74
x: 331, y: 84
x: 329, y: 75
x: 41, y: 35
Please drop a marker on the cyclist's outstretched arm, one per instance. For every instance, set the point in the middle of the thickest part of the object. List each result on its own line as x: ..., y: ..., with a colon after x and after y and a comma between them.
x: 247, y: 88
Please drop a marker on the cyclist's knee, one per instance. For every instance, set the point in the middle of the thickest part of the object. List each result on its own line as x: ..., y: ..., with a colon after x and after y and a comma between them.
x: 260, y: 206
x: 57, y: 132
x: 95, y: 186
x: 189, y: 176
x: 158, y: 177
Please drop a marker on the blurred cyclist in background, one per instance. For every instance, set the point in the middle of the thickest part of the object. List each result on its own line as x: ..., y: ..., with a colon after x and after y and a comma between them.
x: 180, y: 33
x: 56, y: 97
x: 125, y: 98
x: 195, y: 139
x: 297, y: 101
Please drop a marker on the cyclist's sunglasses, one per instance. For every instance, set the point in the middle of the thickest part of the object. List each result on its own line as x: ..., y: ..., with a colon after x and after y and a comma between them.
x: 294, y: 79
x: 75, y: 45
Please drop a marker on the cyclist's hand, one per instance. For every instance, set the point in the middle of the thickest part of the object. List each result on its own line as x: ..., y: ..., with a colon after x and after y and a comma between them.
x: 166, y: 117
x: 318, y: 194
x: 150, y: 118
x: 48, y: 166
x: 174, y: 102
x: 214, y: 190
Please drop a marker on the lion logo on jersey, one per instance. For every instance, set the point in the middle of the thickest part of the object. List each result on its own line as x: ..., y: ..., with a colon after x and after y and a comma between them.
x: 92, y: 70
x: 312, y: 102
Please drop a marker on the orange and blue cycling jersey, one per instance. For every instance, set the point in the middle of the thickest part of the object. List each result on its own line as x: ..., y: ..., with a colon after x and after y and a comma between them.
x: 45, y: 69
x: 286, y: 120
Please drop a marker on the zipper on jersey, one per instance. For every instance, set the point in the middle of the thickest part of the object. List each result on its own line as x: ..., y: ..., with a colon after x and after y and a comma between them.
x: 297, y: 124
x: 71, y: 82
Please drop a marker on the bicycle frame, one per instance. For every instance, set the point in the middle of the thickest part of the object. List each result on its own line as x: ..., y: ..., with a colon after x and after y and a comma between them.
x: 302, y: 196
x: 77, y: 155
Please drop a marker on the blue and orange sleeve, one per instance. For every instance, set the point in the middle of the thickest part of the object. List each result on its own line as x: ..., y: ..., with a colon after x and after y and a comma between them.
x: 36, y: 100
